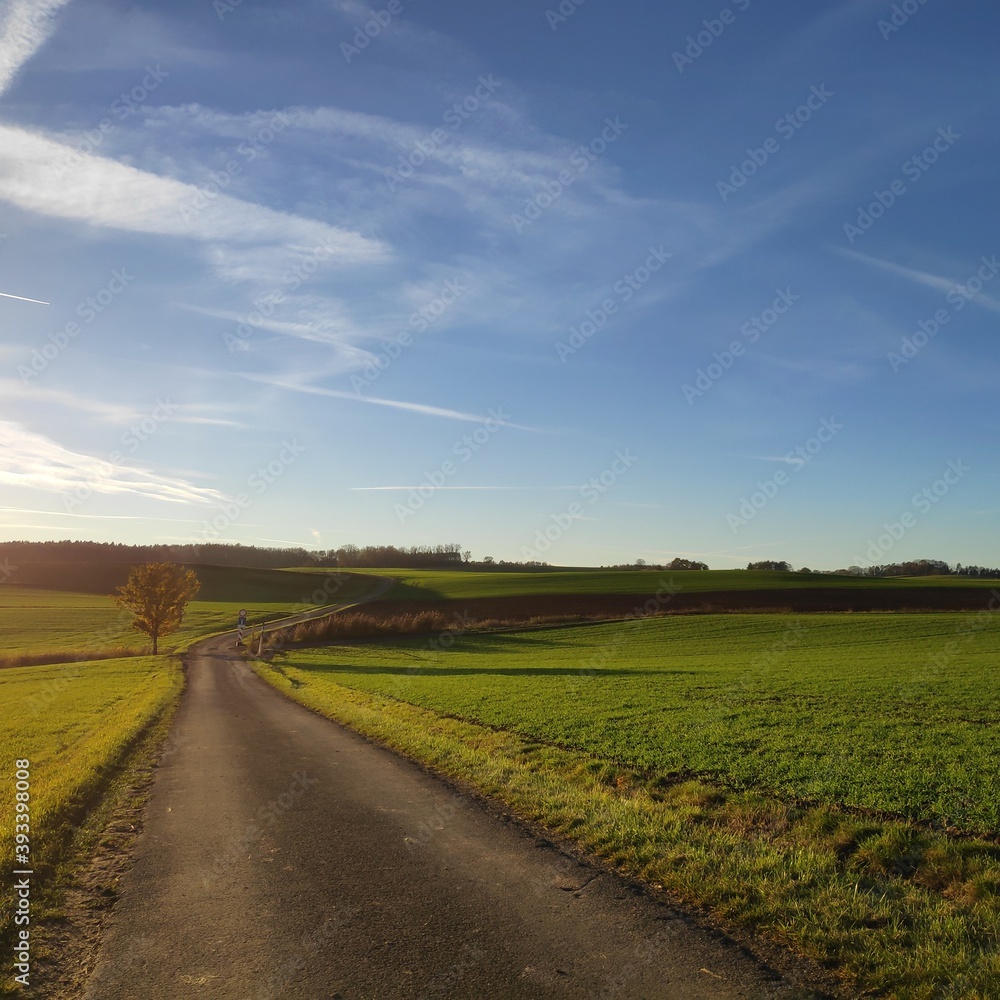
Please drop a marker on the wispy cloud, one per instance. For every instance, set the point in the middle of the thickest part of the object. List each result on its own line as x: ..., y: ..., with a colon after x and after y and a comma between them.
x: 112, y: 412
x: 113, y: 195
x: 25, y: 25
x: 301, y: 384
x: 323, y: 323
x: 937, y: 282
x: 75, y: 515
x: 396, y: 489
x: 36, y: 462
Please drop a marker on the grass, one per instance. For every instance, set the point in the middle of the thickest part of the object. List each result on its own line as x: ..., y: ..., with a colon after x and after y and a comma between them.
x: 459, y: 584
x: 45, y: 621
x: 75, y: 723
x: 840, y: 708
x: 79, y: 721
x: 828, y: 781
x: 793, y: 774
x: 37, y: 621
x: 230, y: 584
x: 72, y: 721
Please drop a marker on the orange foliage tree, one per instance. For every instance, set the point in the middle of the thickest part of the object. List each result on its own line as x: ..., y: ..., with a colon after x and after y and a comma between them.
x: 157, y: 595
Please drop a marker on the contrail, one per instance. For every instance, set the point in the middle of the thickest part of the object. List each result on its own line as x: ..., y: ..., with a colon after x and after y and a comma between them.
x: 21, y: 298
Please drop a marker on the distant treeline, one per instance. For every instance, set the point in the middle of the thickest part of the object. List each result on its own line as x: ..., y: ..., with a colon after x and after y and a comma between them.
x: 916, y: 567
x: 674, y: 564
x: 13, y: 554
x: 385, y: 556
x: 925, y: 567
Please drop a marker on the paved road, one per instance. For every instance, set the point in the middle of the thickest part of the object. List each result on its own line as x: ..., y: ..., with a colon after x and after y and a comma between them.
x: 286, y: 857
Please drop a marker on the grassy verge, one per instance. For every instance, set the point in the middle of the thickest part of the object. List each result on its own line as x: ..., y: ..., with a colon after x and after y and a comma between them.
x: 67, y: 656
x: 77, y: 724
x: 598, y: 739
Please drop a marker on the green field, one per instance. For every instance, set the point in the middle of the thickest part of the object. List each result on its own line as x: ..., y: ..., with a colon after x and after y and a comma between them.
x: 800, y: 775
x: 37, y: 620
x: 459, y: 584
x: 72, y: 720
x: 75, y: 723
x: 847, y: 709
x: 218, y: 583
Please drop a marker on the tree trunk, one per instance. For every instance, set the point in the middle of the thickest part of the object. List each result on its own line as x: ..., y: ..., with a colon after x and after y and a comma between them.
x: 155, y: 637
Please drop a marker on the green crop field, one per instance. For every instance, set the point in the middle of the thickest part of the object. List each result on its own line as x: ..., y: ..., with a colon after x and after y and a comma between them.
x: 37, y: 620
x: 848, y: 709
x: 794, y: 773
x: 49, y: 621
x: 459, y: 584
x: 218, y: 583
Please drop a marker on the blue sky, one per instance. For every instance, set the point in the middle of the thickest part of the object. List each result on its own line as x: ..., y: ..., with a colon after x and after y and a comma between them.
x: 582, y: 282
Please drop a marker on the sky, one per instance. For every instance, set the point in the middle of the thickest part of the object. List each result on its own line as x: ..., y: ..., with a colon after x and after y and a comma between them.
x: 576, y: 282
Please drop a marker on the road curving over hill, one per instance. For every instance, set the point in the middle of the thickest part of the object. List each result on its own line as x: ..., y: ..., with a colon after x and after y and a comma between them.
x: 283, y: 856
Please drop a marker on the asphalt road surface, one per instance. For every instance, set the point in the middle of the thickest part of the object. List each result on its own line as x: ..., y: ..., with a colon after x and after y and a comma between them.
x: 286, y: 857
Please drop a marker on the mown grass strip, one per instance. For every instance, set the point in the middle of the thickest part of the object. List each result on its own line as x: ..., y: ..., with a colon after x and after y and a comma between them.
x: 886, y: 907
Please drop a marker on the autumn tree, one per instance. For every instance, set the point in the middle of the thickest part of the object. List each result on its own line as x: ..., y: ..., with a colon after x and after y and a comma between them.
x: 157, y: 594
